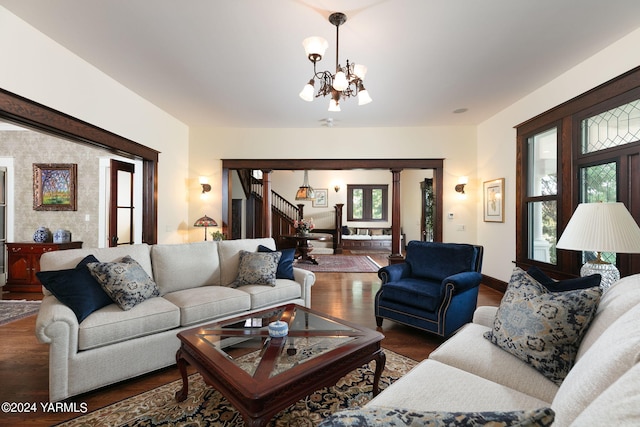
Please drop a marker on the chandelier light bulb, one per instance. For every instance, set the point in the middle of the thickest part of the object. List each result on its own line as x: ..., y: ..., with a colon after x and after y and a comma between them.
x: 360, y: 70
x: 340, y: 82
x: 315, y: 47
x: 363, y: 97
x: 307, y: 91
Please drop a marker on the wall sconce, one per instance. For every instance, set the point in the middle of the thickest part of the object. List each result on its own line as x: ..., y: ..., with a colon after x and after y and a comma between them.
x: 462, y: 181
x: 336, y: 187
x: 206, y: 187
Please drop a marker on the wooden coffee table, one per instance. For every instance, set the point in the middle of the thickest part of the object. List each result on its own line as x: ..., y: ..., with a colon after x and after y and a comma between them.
x: 260, y: 375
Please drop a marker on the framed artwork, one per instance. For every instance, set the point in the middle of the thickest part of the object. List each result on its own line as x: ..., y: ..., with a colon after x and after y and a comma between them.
x: 494, y: 200
x: 54, y: 186
x: 321, y: 200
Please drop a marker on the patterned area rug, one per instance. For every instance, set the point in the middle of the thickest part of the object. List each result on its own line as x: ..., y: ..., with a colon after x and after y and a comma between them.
x: 11, y: 310
x: 206, y: 407
x: 341, y: 264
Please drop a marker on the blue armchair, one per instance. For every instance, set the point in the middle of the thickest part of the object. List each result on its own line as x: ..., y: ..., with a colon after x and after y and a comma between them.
x: 435, y: 289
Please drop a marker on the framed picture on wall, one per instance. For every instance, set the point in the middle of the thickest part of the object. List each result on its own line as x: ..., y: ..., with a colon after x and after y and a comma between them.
x: 54, y: 186
x: 493, y: 200
x: 321, y: 200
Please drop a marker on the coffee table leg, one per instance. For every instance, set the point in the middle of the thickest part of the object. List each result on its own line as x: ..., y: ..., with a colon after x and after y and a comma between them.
x: 381, y: 360
x: 182, y: 365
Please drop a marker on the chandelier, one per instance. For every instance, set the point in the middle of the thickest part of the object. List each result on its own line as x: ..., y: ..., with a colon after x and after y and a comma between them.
x: 345, y: 82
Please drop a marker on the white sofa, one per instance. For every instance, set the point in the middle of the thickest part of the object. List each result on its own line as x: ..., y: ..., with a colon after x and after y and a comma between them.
x: 467, y: 373
x: 112, y: 345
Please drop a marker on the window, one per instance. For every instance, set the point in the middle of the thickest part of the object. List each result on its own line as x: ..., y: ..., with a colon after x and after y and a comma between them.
x: 585, y: 150
x: 367, y: 202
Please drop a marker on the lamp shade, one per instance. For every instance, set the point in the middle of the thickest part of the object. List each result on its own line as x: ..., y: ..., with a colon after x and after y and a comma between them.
x: 601, y: 227
x: 205, y: 221
x: 315, y: 47
x: 305, y: 192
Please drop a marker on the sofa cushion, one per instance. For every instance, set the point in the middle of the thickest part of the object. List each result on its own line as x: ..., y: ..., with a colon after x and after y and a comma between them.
x: 285, y: 265
x: 185, y: 266
x: 540, y: 327
x: 437, y: 261
x: 110, y: 324
x: 616, y: 300
x: 618, y: 405
x: 563, y: 285
x: 208, y: 303
x: 616, y: 352
x: 229, y: 252
x: 397, y: 417
x: 416, y: 293
x: 257, y: 268
x: 262, y: 296
x: 470, y: 351
x: 125, y: 282
x: 76, y: 288
x: 434, y: 386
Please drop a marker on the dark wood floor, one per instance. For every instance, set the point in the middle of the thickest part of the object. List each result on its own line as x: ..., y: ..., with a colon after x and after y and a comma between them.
x: 24, y: 361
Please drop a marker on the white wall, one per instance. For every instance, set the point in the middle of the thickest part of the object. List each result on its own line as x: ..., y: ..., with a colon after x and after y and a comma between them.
x: 37, y: 68
x: 456, y: 145
x: 497, y: 141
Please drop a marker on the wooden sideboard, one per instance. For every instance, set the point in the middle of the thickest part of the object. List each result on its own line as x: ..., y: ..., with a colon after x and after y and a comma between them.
x: 23, y: 262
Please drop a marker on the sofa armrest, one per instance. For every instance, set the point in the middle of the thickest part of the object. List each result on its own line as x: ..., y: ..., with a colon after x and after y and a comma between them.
x: 306, y: 279
x: 55, y: 322
x: 484, y: 315
x: 394, y: 272
x: 463, y: 281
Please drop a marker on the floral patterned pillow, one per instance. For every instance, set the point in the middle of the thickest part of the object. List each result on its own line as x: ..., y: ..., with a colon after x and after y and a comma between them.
x: 543, y: 328
x: 394, y: 417
x: 257, y: 268
x: 125, y: 282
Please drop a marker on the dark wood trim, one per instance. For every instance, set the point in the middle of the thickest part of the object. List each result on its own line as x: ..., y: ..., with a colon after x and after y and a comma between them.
x: 494, y: 283
x: 30, y: 114
x: 331, y: 164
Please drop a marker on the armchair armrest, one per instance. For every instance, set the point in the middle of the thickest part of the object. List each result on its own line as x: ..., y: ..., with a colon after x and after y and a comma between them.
x: 394, y: 272
x: 463, y: 281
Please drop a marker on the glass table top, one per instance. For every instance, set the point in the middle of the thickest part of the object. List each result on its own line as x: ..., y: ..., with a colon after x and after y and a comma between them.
x: 245, y: 341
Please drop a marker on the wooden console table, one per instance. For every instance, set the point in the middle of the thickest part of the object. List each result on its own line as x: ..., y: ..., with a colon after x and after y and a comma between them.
x: 23, y: 262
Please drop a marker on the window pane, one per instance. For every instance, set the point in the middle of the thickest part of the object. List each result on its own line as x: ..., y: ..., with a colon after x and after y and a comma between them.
x: 599, y: 183
x: 357, y: 203
x: 543, y: 164
x: 376, y: 203
x: 618, y: 126
x: 543, y: 231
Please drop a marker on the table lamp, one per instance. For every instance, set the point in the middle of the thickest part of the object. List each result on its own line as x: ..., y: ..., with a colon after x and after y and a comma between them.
x: 205, y: 222
x: 601, y: 227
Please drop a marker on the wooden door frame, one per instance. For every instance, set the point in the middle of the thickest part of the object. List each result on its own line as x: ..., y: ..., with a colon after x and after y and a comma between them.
x: 437, y: 165
x: 30, y: 114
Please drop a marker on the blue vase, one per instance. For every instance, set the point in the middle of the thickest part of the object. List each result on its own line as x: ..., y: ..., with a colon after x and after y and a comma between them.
x: 41, y: 235
x: 61, y: 236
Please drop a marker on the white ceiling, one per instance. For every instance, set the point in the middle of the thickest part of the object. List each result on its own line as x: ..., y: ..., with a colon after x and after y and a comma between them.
x: 240, y: 63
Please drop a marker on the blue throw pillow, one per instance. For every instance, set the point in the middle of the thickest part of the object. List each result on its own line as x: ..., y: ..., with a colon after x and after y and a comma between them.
x: 285, y: 266
x: 76, y: 288
x: 563, y: 285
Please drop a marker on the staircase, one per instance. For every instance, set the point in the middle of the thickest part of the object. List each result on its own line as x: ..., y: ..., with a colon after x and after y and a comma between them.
x: 283, y: 212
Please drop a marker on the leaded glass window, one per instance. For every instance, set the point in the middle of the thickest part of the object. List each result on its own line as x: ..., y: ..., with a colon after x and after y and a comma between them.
x: 612, y: 128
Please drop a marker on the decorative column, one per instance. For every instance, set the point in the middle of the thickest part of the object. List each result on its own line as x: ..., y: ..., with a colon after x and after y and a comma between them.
x: 396, y: 243
x: 337, y: 244
x: 267, y: 200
